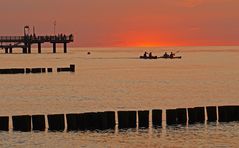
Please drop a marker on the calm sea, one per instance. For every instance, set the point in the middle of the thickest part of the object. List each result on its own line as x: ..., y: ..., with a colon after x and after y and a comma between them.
x: 112, y: 79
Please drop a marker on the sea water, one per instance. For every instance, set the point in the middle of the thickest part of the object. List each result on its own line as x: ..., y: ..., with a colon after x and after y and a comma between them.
x: 113, y: 79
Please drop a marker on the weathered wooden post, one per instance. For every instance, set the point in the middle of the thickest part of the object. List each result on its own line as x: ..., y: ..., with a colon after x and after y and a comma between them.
x: 39, y: 47
x: 181, y: 115
x: 171, y: 116
x: 21, y: 123
x: 56, y: 122
x: 143, y: 119
x: 49, y: 70
x: 43, y: 70
x: 196, y: 114
x: 73, y: 122
x: 211, y: 113
x: 38, y: 122
x: 54, y: 47
x: 228, y: 113
x: 4, y: 123
x: 72, y: 67
x: 65, y: 47
x: 157, y: 117
x: 126, y: 119
x: 106, y: 120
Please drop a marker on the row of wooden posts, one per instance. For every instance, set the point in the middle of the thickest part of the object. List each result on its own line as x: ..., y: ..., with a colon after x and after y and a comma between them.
x: 126, y: 119
x: 36, y: 70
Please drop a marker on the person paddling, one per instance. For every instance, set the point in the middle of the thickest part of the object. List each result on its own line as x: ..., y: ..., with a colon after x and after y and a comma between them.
x: 172, y: 55
x: 145, y: 54
x: 165, y: 55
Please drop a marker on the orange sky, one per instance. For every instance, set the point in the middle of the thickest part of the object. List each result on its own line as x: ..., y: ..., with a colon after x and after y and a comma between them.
x: 127, y: 22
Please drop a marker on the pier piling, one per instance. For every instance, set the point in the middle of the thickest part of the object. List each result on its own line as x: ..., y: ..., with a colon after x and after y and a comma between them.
x: 65, y: 47
x: 39, y: 47
x: 54, y: 47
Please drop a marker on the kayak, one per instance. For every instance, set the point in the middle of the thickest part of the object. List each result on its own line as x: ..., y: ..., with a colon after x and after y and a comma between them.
x: 155, y: 57
x: 178, y: 57
x: 152, y: 57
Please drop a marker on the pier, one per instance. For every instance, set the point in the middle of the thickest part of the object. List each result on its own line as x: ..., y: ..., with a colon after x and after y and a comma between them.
x: 25, y: 42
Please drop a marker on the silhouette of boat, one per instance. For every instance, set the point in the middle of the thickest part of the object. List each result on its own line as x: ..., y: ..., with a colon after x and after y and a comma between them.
x: 177, y: 57
x: 162, y: 57
x: 148, y: 57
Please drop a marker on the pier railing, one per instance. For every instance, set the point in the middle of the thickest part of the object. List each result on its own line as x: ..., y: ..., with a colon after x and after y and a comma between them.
x: 33, y: 39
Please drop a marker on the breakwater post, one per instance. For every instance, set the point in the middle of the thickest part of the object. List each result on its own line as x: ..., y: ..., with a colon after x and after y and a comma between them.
x: 4, y: 123
x: 126, y: 119
x: 22, y: 123
x: 157, y: 117
x: 56, y: 122
x: 143, y: 119
x: 38, y: 122
x: 211, y: 113
x: 196, y: 115
x: 228, y: 113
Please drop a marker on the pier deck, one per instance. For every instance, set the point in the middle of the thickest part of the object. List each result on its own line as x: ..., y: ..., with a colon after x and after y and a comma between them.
x: 25, y: 42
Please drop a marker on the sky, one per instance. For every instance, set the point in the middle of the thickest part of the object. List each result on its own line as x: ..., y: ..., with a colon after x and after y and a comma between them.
x: 120, y: 23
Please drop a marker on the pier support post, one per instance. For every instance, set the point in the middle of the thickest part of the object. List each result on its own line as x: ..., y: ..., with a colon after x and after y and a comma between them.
x: 24, y: 50
x: 6, y: 50
x: 54, y: 47
x: 65, y: 47
x: 39, y: 47
x: 29, y: 48
x: 10, y: 50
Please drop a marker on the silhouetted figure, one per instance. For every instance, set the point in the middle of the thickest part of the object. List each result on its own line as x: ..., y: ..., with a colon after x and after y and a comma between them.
x: 171, y: 55
x: 145, y: 54
x: 150, y: 55
x: 165, y: 55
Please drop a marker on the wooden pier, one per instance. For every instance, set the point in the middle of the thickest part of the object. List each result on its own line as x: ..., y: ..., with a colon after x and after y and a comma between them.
x: 8, y: 43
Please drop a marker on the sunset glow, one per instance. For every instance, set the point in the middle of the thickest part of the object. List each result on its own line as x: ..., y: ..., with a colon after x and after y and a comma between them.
x: 128, y: 23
